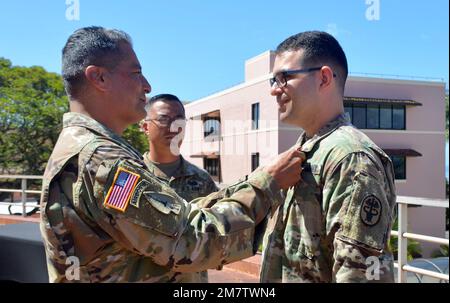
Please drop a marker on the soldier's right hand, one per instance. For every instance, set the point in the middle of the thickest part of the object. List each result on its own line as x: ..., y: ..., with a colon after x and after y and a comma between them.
x: 286, y: 168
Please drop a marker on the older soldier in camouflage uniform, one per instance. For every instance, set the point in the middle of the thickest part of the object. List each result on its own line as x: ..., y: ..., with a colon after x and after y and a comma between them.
x: 104, y: 217
x: 164, y: 160
x: 334, y: 225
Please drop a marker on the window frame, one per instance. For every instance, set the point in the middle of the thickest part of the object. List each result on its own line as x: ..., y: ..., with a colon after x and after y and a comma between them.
x: 211, y: 134
x: 215, y: 171
x: 351, y: 106
x: 255, y: 115
x: 254, y: 158
x: 404, y: 159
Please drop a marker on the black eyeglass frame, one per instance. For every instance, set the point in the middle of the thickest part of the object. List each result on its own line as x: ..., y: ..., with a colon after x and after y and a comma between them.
x: 167, y: 123
x: 285, y: 73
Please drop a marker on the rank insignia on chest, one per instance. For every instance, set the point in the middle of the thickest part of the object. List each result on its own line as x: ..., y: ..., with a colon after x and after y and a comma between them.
x: 121, y: 189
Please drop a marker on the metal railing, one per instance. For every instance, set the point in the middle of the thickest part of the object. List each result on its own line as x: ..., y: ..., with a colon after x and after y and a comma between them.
x: 403, y: 235
x: 23, y: 191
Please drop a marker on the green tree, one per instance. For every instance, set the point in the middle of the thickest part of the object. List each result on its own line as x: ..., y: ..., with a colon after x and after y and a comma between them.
x: 136, y: 138
x: 32, y: 102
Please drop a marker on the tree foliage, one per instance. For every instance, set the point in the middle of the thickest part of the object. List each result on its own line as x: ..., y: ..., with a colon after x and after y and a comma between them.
x: 32, y: 102
x: 136, y: 138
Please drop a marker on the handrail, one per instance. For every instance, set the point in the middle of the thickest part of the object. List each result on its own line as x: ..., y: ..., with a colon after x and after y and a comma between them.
x: 419, y: 237
x: 28, y: 191
x: 21, y: 177
x: 403, y: 235
x: 423, y: 201
x: 23, y: 190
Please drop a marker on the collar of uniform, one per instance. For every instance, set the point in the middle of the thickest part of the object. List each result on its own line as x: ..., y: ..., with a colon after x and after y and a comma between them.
x: 182, y: 171
x: 340, y: 120
x: 154, y: 169
x: 185, y: 169
x: 77, y: 119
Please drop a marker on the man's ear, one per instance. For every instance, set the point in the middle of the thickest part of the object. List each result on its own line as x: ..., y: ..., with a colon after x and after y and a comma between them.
x: 326, y: 76
x: 97, y: 77
x: 144, y: 126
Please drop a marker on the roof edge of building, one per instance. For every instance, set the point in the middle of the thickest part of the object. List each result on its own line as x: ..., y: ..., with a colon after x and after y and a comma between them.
x: 396, y: 81
x: 257, y: 57
x: 350, y: 78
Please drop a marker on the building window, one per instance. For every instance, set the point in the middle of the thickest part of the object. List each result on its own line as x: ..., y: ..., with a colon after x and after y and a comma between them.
x: 255, y: 161
x: 211, y: 166
x: 211, y: 127
x: 255, y: 116
x: 385, y: 116
x: 373, y: 116
x: 398, y: 117
x: 359, y: 116
x: 376, y: 116
x: 399, y: 167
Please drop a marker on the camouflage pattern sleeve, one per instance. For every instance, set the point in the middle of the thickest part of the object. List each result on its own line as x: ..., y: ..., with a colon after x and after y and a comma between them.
x: 359, y: 211
x: 148, y: 217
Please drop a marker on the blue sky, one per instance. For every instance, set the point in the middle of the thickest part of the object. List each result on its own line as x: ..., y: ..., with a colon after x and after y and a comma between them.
x: 193, y: 48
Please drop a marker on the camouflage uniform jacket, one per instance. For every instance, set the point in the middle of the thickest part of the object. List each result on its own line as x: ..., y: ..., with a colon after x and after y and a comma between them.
x: 335, y: 224
x: 105, y: 218
x: 190, y: 182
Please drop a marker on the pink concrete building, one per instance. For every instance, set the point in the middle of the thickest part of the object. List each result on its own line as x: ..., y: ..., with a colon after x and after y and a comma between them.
x: 232, y: 132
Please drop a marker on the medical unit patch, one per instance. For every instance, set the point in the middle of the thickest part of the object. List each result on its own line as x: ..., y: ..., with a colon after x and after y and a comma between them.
x: 120, y: 192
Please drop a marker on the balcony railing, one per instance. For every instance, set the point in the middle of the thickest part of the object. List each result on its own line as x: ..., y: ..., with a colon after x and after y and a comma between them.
x: 23, y: 191
x: 403, y: 235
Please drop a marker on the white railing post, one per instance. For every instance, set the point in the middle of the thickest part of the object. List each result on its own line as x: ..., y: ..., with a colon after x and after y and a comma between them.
x: 24, y: 197
x: 402, y: 241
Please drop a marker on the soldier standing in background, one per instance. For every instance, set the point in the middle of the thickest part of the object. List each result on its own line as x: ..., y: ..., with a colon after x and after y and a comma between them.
x: 164, y: 127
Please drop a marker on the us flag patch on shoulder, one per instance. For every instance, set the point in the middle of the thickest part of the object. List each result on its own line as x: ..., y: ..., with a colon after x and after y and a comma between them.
x: 122, y: 187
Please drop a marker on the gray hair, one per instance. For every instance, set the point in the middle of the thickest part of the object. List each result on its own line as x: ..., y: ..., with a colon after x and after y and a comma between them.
x: 92, y: 45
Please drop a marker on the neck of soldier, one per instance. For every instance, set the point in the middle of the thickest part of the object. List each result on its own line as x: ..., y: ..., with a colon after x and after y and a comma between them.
x: 161, y: 154
x: 98, y: 113
x: 327, y: 112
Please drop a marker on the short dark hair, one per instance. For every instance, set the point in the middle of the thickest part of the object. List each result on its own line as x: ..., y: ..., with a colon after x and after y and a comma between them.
x: 92, y: 45
x: 164, y: 98
x: 319, y: 48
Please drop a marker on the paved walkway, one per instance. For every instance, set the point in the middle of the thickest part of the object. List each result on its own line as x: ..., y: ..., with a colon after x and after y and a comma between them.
x: 231, y: 276
x: 246, y: 271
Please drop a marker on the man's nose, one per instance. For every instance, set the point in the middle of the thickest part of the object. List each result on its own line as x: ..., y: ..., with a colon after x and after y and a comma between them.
x: 275, y: 90
x: 147, y: 86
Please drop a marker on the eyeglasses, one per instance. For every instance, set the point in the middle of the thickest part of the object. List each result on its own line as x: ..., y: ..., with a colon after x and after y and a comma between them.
x: 280, y: 77
x: 165, y: 121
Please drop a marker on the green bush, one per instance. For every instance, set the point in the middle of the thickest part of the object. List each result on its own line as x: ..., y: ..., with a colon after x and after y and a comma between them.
x: 442, y: 252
